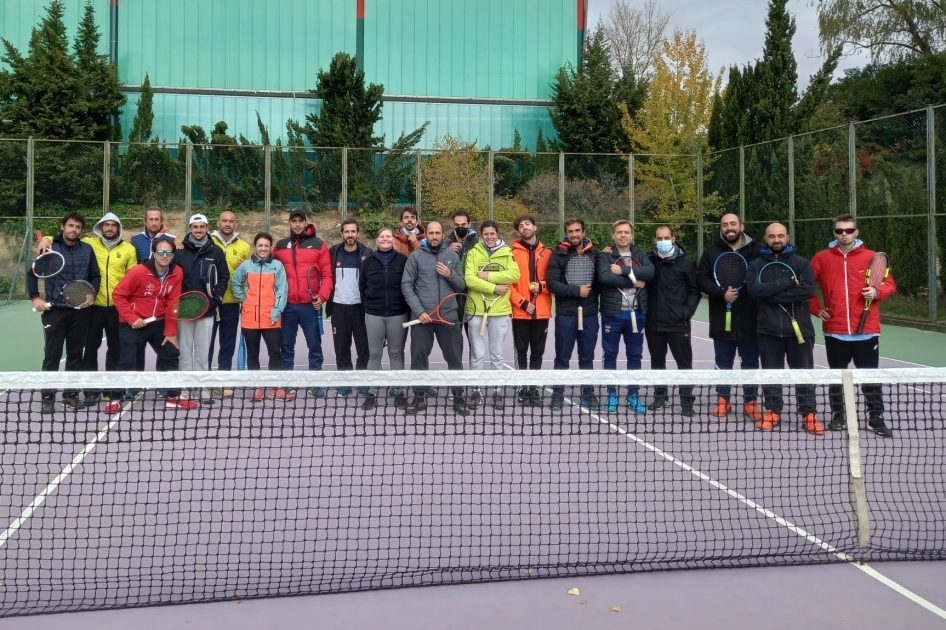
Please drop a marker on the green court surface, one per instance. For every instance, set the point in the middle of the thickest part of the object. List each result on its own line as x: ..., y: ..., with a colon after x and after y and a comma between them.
x: 22, y: 336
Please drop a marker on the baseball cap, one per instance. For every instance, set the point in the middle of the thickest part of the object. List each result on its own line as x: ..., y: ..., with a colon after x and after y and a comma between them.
x: 197, y: 218
x: 298, y: 212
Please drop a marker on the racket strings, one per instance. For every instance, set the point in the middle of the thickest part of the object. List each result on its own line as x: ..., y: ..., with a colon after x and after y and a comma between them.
x: 878, y: 269
x: 190, y: 306
x: 731, y: 273
x: 580, y: 270
x: 76, y: 292
x: 48, y: 265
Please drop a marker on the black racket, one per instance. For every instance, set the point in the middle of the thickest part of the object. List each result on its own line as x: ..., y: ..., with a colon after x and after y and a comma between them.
x: 489, y: 299
x: 730, y: 271
x: 74, y: 294
x: 580, y: 271
x: 778, y: 272
x: 877, y: 273
x: 454, y: 303
x: 186, y: 307
x: 48, y: 265
x: 314, y: 283
x: 629, y: 295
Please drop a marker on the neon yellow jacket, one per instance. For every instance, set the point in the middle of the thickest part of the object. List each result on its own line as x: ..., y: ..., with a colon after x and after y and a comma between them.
x: 113, y: 264
x: 477, y: 288
x: 237, y: 251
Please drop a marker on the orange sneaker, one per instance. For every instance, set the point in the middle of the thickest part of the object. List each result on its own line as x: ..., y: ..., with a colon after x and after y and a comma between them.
x: 722, y: 407
x: 754, y: 411
x: 257, y: 395
x: 768, y: 421
x: 812, y: 425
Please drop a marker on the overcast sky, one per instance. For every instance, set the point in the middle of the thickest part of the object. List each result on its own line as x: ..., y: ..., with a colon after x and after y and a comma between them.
x: 734, y: 31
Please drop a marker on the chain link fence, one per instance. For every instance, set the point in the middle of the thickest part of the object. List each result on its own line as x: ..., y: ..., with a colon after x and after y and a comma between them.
x: 889, y: 172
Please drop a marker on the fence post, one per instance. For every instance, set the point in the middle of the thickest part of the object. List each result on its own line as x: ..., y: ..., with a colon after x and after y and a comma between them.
x: 267, y: 186
x: 852, y: 168
x: 492, y: 181
x: 630, y: 188
x: 343, y: 196
x: 742, y: 184
x: 699, y: 206
x: 188, y: 174
x: 417, y: 175
x: 106, y: 177
x: 30, y: 184
x: 791, y: 187
x: 931, y: 186
x: 561, y: 193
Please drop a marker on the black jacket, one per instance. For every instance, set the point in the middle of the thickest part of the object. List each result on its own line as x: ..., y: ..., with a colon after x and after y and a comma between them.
x: 80, y: 265
x: 195, y: 261
x: 567, y: 296
x: 611, y: 298
x: 744, y: 310
x: 672, y: 297
x: 362, y: 251
x: 381, y: 288
x: 770, y: 295
x: 466, y: 243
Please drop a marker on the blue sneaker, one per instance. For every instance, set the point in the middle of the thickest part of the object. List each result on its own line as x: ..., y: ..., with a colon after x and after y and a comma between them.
x: 635, y: 403
x: 317, y: 392
x: 343, y: 392
x: 612, y: 404
x: 590, y: 402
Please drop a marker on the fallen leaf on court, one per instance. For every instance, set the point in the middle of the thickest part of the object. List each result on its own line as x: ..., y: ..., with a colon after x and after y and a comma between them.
x: 528, y: 571
x: 583, y: 602
x: 616, y: 608
x: 573, y: 591
x: 237, y: 601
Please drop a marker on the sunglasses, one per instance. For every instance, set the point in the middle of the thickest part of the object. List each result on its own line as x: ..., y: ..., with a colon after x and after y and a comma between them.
x: 845, y: 230
x: 163, y: 252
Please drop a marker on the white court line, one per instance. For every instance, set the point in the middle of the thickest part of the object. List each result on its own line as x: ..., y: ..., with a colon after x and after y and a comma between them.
x: 51, y: 487
x: 758, y: 507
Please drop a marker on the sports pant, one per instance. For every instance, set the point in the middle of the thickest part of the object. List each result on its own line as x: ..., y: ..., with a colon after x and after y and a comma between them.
x: 496, y: 327
x: 679, y: 344
x: 615, y: 329
x: 226, y: 329
x: 194, y: 340
x: 567, y: 336
x: 132, y: 339
x: 303, y: 316
x: 725, y: 351
x: 102, y: 319
x: 273, y: 339
x: 348, y: 324
x: 67, y: 326
x: 529, y: 334
x: 866, y: 355
x: 450, y: 340
x: 774, y: 352
x: 381, y: 329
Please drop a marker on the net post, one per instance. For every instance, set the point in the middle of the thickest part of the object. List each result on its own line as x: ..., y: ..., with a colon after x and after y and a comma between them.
x: 492, y: 180
x: 856, y: 484
x: 267, y: 185
x: 931, y: 202
x: 343, y: 195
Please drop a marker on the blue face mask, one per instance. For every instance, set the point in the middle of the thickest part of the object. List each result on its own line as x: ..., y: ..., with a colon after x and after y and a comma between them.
x: 664, y: 247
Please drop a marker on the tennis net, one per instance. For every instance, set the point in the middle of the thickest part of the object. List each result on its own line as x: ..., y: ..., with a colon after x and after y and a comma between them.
x: 316, y: 494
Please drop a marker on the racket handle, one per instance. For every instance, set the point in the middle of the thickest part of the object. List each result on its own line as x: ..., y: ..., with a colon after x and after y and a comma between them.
x: 483, y: 325
x: 633, y: 321
x: 413, y: 322
x: 728, y: 320
x: 318, y: 314
x: 148, y: 320
x: 48, y: 305
x: 798, y: 335
x: 581, y: 318
x: 860, y: 324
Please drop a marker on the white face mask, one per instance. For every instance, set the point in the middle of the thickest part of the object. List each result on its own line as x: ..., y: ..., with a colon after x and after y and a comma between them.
x: 664, y: 247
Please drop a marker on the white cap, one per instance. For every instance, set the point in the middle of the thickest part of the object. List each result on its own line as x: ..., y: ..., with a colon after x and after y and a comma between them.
x: 198, y: 218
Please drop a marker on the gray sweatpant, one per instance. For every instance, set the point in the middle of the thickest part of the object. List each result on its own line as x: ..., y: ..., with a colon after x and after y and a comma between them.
x: 194, y: 338
x: 381, y: 329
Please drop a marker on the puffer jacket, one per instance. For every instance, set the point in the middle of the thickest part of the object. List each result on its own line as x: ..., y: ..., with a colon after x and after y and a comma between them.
x: 114, y: 260
x: 80, y: 265
x: 744, y: 309
x: 297, y: 254
x: 611, y: 284
x: 672, y: 297
x: 260, y: 284
x: 773, y: 296
x: 567, y: 296
x: 533, y: 267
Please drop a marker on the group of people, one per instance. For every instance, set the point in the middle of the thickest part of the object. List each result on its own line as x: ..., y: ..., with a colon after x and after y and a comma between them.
x: 263, y: 292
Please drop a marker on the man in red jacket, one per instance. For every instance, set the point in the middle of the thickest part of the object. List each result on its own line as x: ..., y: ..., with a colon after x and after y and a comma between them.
x: 298, y: 252
x: 841, y: 270
x: 145, y: 291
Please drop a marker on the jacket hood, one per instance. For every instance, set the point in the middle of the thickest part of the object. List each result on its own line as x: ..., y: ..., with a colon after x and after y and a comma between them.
x: 765, y: 251
x: 857, y: 244
x: 453, y: 238
x: 97, y: 229
x: 747, y: 239
x: 500, y: 243
x: 219, y: 236
x: 586, y: 244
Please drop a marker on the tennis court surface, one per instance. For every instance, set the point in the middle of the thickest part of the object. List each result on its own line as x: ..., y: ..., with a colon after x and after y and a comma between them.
x: 244, y: 500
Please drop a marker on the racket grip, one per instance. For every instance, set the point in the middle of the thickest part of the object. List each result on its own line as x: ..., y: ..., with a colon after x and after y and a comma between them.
x: 483, y: 325
x: 798, y: 335
x: 728, y: 320
x: 860, y: 324
x: 413, y: 322
x: 148, y: 320
x: 633, y: 321
x: 581, y: 318
x: 318, y: 314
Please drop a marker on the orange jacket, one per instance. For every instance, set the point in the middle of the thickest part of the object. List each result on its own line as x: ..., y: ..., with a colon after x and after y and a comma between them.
x: 402, y: 242
x: 532, y: 267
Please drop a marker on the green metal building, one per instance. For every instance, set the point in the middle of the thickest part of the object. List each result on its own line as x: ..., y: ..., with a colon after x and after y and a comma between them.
x: 476, y: 69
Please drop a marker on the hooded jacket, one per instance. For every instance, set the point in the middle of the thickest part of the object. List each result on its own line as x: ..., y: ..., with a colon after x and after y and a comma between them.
x: 773, y: 296
x: 114, y: 259
x: 672, y: 297
x: 533, y: 267
x: 476, y: 258
x: 402, y: 242
x: 423, y: 287
x: 195, y: 260
x: 466, y: 243
x: 744, y: 309
x: 298, y: 254
x: 80, y: 265
x: 236, y: 252
x: 142, y: 294
x: 567, y: 296
x: 842, y: 278
x: 260, y: 284
x: 611, y: 283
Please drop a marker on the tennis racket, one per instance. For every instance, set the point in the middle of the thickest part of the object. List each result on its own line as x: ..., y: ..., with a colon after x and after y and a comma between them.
x: 489, y: 300
x: 877, y: 273
x: 730, y: 271
x: 186, y: 308
x: 314, y: 283
x: 48, y: 265
x: 776, y: 272
x: 538, y: 278
x: 629, y: 295
x: 580, y: 271
x: 74, y: 294
x: 211, y: 284
x: 241, y: 354
x: 457, y: 301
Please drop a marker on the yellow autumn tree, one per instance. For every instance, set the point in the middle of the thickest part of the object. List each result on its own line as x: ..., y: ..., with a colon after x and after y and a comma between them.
x: 671, y: 127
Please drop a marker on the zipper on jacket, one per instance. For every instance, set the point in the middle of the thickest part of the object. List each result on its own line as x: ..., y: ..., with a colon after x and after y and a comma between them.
x: 847, y: 298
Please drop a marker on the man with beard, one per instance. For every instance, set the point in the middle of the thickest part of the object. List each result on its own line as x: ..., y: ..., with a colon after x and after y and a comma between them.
x: 344, y: 305
x: 741, y: 337
x: 142, y: 242
x: 407, y: 238
x: 463, y: 237
x: 236, y: 251
x: 781, y: 303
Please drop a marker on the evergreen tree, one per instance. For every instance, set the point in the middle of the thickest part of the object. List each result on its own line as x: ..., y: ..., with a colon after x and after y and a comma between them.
x: 349, y: 109
x: 98, y: 80
x: 776, y: 77
x: 144, y: 118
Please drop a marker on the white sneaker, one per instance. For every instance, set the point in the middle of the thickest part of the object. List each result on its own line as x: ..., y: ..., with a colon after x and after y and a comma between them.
x: 206, y: 396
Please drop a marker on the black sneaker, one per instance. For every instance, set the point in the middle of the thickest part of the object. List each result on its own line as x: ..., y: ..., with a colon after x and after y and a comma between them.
x: 838, y: 422
x: 419, y: 403
x: 687, y: 410
x: 72, y: 402
x: 660, y: 402
x: 524, y: 396
x: 536, y: 397
x: 370, y: 402
x: 876, y: 424
x: 49, y: 406
x: 558, y: 400
x: 475, y: 399
x: 400, y: 400
x: 459, y: 405
x: 498, y: 402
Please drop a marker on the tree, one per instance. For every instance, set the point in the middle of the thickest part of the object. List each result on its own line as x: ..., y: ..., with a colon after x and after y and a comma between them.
x: 349, y: 109
x: 889, y: 30
x: 98, y: 79
x: 635, y: 35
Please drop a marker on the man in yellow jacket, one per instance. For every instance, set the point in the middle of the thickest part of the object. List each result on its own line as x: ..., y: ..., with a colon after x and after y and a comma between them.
x: 236, y: 250
x: 489, y: 296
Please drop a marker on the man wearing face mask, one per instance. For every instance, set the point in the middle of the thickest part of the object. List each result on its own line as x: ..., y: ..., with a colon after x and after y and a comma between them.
x: 463, y: 237
x: 408, y: 237
x: 672, y: 298
x: 840, y: 270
